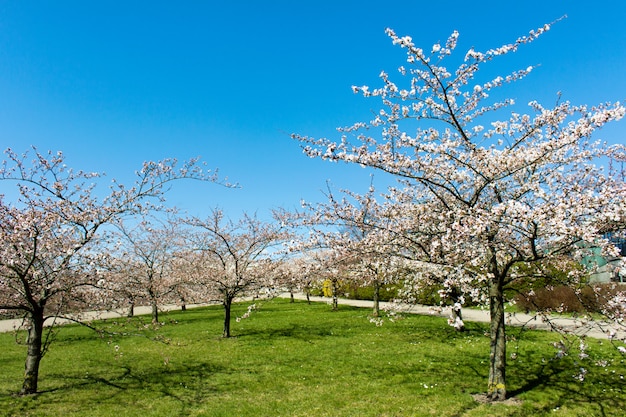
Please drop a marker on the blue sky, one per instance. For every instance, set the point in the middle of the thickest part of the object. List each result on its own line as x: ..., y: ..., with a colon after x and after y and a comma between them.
x: 115, y: 83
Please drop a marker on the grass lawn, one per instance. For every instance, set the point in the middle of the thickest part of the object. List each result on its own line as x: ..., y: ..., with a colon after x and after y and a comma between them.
x: 305, y: 360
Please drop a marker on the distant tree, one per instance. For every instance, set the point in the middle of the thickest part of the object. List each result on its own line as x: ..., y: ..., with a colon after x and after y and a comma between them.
x: 50, y: 238
x: 233, y: 259
x: 481, y: 196
x: 146, y: 261
x: 118, y: 290
x: 358, y: 231
x: 333, y: 264
x: 287, y: 276
x: 300, y: 273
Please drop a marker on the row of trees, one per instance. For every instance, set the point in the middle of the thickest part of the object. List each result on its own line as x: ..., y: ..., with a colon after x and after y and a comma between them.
x: 52, y: 236
x: 192, y: 260
x: 65, y: 250
x: 488, y: 200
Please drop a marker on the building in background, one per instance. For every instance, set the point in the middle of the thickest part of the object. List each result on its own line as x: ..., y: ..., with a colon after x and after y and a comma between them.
x: 608, y: 269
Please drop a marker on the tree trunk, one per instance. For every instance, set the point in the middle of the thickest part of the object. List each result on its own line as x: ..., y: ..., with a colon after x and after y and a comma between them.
x: 155, y: 312
x: 497, y: 356
x: 292, y: 300
x: 33, y: 357
x: 335, y: 289
x: 227, y: 304
x: 376, y: 311
x: 131, y: 309
x: 183, y: 304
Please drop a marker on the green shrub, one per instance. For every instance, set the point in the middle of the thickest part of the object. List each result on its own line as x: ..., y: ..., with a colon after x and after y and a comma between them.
x: 366, y: 292
x: 428, y: 295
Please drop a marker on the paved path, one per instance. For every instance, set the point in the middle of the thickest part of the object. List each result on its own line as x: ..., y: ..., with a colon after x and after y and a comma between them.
x: 595, y: 329
x: 576, y: 326
x: 10, y: 325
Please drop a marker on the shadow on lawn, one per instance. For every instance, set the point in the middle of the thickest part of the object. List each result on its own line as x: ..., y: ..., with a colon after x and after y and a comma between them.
x: 301, y: 332
x: 603, y: 388
x: 189, y: 384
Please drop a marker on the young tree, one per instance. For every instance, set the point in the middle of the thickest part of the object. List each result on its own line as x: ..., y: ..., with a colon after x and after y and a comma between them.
x: 358, y: 231
x: 300, y: 273
x: 118, y: 289
x: 146, y: 258
x: 233, y: 259
x: 50, y: 235
x: 287, y: 276
x: 482, y: 193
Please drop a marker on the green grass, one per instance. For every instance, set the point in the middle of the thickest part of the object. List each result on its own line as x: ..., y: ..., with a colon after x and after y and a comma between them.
x: 304, y: 360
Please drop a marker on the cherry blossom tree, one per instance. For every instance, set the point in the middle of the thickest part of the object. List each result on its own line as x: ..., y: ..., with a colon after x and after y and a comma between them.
x: 234, y: 259
x: 299, y: 272
x: 486, y: 188
x: 333, y: 265
x: 146, y: 261
x: 51, y: 237
x: 287, y: 276
x: 118, y: 290
x: 358, y: 231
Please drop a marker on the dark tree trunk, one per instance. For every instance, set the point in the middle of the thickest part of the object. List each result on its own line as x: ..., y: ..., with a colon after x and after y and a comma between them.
x: 155, y: 311
x: 183, y: 304
x: 308, y: 296
x: 227, y: 305
x: 292, y: 300
x: 131, y: 309
x: 497, y: 356
x: 33, y: 357
x: 376, y: 299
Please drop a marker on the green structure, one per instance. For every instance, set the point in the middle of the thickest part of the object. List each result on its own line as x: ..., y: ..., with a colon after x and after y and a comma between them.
x: 608, y: 269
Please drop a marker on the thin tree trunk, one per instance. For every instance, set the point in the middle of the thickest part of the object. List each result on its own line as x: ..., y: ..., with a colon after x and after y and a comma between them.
x: 131, y: 309
x: 33, y: 357
x: 376, y: 311
x: 183, y: 304
x: 335, y: 289
x: 497, y: 356
x: 155, y: 312
x: 227, y: 304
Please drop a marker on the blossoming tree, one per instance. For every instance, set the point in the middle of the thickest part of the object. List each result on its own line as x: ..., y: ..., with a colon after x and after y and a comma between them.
x: 146, y: 261
x: 50, y: 237
x: 231, y: 259
x: 486, y: 187
x: 357, y: 231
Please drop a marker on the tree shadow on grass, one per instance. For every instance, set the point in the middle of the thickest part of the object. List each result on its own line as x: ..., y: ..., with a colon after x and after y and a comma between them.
x: 295, y: 331
x: 601, y: 388
x: 188, y: 384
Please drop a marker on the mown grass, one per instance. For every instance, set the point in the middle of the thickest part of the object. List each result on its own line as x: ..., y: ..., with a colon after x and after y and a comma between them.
x: 304, y: 360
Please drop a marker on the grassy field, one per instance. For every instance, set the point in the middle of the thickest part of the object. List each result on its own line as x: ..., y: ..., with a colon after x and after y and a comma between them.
x: 305, y: 360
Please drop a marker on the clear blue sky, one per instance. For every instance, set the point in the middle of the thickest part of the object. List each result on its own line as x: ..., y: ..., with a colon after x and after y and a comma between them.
x: 115, y: 83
